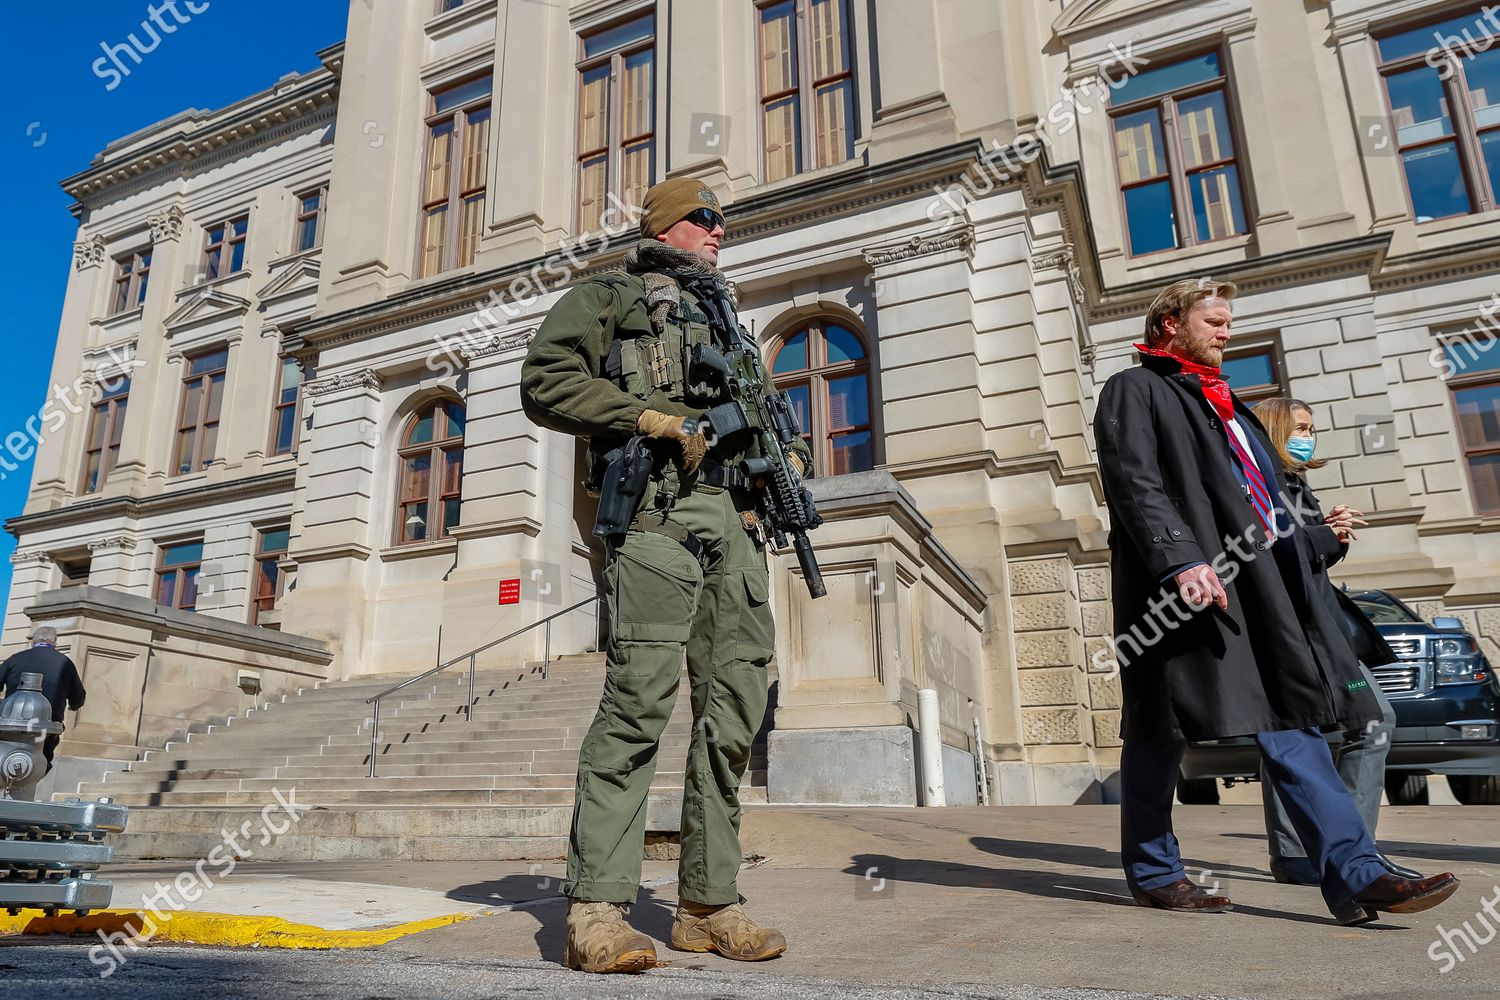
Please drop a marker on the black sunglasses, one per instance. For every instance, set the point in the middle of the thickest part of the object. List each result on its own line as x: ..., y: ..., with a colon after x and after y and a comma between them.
x: 705, y: 217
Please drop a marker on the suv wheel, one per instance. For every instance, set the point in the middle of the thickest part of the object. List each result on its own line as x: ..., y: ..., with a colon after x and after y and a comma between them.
x: 1198, y: 791
x: 1475, y: 789
x: 1406, y: 789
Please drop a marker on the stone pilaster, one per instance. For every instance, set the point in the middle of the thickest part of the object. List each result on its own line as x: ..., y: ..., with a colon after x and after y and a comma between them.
x: 338, y: 532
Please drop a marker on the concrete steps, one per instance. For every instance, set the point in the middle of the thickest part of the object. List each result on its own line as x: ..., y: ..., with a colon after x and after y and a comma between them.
x: 499, y: 787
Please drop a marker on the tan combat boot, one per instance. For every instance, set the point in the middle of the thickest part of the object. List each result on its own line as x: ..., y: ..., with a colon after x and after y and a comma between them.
x: 599, y: 940
x: 727, y: 930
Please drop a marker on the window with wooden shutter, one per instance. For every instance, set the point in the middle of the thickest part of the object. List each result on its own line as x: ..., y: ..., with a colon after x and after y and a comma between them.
x: 430, y: 473
x: 806, y: 85
x: 198, y: 416
x: 616, y: 119
x: 455, y: 177
x: 106, y: 430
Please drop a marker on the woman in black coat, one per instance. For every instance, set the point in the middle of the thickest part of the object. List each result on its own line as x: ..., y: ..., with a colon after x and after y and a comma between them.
x: 1361, y: 759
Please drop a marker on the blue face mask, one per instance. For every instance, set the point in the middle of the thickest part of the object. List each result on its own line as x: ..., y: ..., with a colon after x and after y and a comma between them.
x: 1301, y: 448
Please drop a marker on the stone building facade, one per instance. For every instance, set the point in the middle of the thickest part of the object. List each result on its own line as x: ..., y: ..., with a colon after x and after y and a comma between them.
x: 946, y: 221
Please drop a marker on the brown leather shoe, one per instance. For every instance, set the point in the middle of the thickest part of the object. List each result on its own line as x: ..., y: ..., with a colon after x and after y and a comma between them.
x: 1390, y: 894
x: 1182, y: 895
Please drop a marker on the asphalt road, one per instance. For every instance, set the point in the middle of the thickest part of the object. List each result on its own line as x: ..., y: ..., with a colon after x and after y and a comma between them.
x: 63, y: 972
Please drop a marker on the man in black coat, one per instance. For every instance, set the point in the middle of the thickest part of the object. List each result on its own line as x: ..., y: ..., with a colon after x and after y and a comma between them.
x: 61, y: 684
x: 1216, y: 630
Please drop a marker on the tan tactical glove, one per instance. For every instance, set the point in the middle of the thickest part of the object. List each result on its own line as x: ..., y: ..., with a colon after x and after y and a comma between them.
x: 796, y: 461
x: 670, y: 428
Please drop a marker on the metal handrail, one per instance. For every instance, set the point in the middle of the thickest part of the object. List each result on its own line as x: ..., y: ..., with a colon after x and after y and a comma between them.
x: 472, y: 655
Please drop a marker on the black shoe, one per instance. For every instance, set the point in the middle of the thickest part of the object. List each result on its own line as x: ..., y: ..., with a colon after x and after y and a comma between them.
x: 1398, y: 870
x: 1294, y: 871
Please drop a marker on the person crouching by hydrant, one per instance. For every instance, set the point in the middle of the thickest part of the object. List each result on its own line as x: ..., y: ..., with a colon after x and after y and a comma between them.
x: 632, y: 360
x: 1218, y: 627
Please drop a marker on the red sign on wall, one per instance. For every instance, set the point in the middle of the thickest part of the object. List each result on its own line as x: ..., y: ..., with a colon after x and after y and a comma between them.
x: 510, y: 591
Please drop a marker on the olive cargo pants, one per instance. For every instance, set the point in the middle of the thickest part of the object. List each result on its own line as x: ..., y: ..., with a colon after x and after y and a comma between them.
x: 663, y: 601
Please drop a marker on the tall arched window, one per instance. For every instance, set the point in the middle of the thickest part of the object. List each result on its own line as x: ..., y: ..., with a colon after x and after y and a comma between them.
x: 824, y: 369
x: 431, y: 460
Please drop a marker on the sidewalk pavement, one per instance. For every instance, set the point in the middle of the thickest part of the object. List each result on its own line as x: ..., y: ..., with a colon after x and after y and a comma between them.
x: 949, y: 897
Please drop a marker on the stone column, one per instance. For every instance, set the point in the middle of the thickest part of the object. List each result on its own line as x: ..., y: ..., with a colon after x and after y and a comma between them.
x: 239, y: 416
x: 32, y: 571
x: 1275, y: 229
x: 338, y: 536
x: 54, y: 471
x: 377, y: 154
x: 922, y: 292
x: 912, y: 111
x: 520, y: 519
x: 691, y: 46
x: 531, y: 198
x: 112, y: 564
x: 1382, y: 161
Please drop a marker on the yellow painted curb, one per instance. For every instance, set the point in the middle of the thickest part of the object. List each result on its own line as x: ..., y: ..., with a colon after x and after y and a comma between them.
x: 224, y: 929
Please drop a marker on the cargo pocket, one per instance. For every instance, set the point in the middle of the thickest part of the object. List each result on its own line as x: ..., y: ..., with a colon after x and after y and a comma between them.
x: 656, y: 584
x: 756, y: 639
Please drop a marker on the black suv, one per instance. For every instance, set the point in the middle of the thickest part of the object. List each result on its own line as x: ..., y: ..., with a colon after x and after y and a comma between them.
x: 1447, y: 702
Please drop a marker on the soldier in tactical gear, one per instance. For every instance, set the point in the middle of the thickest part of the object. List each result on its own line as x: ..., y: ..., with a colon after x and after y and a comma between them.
x: 612, y: 362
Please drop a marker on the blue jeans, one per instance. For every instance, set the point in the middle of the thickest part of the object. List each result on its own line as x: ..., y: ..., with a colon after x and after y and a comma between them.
x: 1301, y: 769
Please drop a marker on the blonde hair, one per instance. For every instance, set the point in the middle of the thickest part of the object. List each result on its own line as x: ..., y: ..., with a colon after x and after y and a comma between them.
x: 1178, y: 299
x: 1278, y: 415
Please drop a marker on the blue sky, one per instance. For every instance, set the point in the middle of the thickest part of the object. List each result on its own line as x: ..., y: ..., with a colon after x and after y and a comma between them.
x: 58, y: 115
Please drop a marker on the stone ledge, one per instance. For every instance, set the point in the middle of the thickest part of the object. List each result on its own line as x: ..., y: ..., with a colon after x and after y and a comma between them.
x: 142, y: 612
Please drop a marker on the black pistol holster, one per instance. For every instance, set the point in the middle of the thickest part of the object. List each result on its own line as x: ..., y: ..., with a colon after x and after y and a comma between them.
x: 622, y: 486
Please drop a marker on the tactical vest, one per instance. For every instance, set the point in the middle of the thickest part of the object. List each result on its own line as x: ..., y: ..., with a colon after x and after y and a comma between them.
x: 643, y: 363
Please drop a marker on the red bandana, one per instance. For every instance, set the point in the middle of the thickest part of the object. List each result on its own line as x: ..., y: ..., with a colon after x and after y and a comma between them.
x: 1215, y: 386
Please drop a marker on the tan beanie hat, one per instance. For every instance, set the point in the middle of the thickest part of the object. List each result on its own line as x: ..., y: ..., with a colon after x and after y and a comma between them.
x: 671, y: 201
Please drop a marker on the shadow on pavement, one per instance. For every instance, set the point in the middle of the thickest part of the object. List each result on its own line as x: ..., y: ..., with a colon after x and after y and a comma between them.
x: 879, y: 869
x: 1412, y: 849
x: 1085, y: 856
x: 648, y: 915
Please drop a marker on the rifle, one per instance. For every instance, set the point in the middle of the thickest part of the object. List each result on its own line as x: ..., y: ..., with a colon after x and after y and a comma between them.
x: 765, y: 416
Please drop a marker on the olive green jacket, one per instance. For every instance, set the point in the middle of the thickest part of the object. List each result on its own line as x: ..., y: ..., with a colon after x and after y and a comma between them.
x: 566, y: 384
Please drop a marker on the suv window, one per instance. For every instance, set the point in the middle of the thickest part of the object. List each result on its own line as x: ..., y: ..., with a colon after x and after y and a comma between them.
x: 1379, y: 606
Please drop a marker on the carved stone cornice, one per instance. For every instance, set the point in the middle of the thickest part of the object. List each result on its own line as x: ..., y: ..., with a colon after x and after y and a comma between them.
x: 89, y: 253
x: 125, y: 542
x: 364, y: 378
x: 1064, y: 258
x: 495, y: 345
x: 961, y: 238
x: 166, y: 225
x: 38, y: 556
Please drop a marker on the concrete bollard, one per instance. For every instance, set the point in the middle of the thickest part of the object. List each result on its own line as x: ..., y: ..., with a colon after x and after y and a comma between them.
x: 930, y: 748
